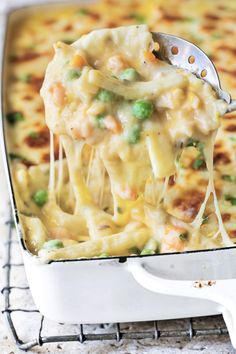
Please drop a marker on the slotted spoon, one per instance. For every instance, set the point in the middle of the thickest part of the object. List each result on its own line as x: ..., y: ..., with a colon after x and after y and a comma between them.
x: 184, y: 54
x: 181, y: 53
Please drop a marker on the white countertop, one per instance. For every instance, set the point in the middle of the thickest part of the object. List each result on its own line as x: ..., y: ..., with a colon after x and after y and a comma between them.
x: 28, y: 326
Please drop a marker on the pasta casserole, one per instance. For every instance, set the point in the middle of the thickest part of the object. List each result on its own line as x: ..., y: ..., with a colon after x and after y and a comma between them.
x: 129, y: 137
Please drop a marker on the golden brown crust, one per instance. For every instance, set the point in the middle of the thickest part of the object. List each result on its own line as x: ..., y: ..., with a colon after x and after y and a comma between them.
x: 210, y: 25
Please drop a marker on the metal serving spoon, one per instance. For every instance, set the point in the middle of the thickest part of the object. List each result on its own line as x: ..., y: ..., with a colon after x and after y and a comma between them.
x: 179, y: 52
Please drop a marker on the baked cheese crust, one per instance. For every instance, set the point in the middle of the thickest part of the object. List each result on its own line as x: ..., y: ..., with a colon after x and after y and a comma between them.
x: 211, y: 26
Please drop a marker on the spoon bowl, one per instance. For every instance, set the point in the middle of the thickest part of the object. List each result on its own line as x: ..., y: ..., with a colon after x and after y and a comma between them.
x: 186, y: 55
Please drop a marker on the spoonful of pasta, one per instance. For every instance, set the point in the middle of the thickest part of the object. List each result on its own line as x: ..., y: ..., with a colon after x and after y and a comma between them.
x: 184, y: 54
x: 136, y: 113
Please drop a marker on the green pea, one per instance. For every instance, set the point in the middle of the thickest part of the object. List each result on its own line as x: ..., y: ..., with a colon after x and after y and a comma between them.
x: 146, y: 252
x: 189, y: 19
x: 205, y: 219
x: 24, y: 160
x: 229, y: 178
x: 105, y: 96
x: 83, y: 11
x: 230, y: 199
x: 129, y: 74
x: 99, y: 121
x: 217, y: 35
x: 103, y: 255
x: 40, y: 197
x: 53, y: 244
x: 196, y: 143
x: 183, y: 236
x: 119, y: 210
x: 34, y: 135
x: 134, y: 250
x: 138, y: 17
x: 14, y: 156
x: 68, y: 40
x: 14, y: 117
x: 142, y: 109
x: 133, y: 135
x: 198, y: 163
x: 25, y: 77
x: 73, y: 74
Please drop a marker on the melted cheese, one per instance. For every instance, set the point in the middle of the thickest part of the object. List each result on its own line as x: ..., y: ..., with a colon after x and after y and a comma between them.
x: 169, y: 125
x: 52, y: 165
x: 208, y: 25
x: 208, y: 152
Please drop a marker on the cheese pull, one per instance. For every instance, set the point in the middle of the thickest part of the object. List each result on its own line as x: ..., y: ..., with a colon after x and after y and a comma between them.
x: 123, y: 209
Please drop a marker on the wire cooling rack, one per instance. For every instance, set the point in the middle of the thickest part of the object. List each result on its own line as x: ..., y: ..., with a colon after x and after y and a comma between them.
x: 19, y: 307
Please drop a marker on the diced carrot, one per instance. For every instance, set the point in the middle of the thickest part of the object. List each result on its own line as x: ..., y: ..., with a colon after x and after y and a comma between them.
x: 58, y: 93
x: 129, y: 193
x: 76, y: 133
x: 150, y: 57
x: 78, y: 61
x: 83, y: 130
x: 113, y: 124
x: 116, y: 63
x: 59, y: 232
x: 172, y: 241
x: 170, y: 228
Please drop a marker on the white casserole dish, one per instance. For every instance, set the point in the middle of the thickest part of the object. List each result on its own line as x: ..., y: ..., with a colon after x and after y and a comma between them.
x: 127, y: 288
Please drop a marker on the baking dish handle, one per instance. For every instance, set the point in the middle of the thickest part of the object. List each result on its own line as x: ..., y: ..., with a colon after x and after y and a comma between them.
x: 223, y: 292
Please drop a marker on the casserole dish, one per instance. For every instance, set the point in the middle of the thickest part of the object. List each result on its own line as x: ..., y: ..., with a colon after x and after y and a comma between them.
x: 122, y: 289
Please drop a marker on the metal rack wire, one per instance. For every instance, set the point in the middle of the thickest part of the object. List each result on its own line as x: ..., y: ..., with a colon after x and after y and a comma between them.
x: 153, y: 330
